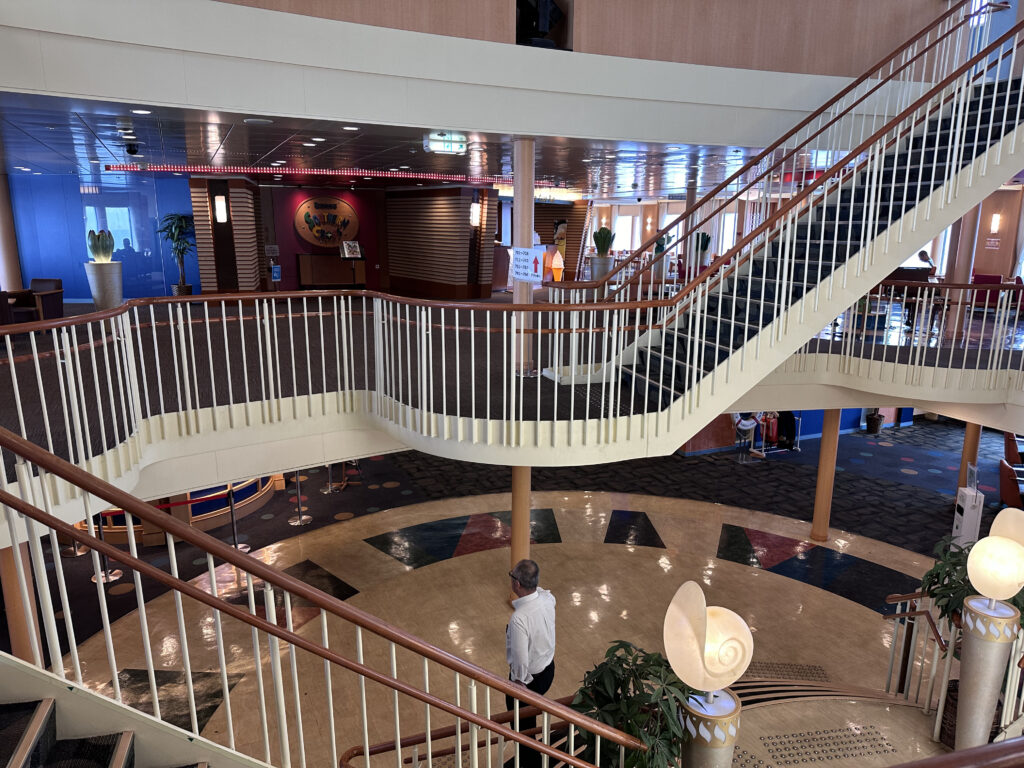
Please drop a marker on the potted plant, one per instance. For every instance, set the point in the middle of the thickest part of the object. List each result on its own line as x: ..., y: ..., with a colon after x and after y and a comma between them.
x: 179, y: 230
x: 104, y: 274
x: 659, y: 262
x: 638, y: 693
x: 948, y: 585
x: 874, y: 421
x: 602, y: 263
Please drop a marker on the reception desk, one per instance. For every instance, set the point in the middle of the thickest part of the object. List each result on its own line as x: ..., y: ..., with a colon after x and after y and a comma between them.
x: 319, y: 270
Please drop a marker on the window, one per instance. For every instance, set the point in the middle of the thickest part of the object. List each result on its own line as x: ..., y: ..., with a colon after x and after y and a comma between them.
x: 623, y: 233
x: 727, y: 233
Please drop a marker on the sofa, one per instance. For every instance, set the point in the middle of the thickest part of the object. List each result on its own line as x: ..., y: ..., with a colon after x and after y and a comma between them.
x: 990, y: 298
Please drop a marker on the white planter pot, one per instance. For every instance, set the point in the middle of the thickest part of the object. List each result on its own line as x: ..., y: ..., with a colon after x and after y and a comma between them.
x: 601, y: 266
x: 105, y: 283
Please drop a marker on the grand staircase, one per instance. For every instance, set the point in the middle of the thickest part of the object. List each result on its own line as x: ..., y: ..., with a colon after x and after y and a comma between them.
x: 28, y: 739
x: 802, y: 265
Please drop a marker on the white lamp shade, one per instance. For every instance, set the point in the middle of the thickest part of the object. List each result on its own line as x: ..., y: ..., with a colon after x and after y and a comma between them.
x: 709, y: 647
x: 995, y: 567
x: 1009, y: 523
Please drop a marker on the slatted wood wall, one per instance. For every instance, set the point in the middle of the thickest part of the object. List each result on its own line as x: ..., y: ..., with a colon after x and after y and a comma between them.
x: 544, y: 217
x: 489, y: 225
x: 428, y: 237
x: 204, y: 237
x: 243, y: 225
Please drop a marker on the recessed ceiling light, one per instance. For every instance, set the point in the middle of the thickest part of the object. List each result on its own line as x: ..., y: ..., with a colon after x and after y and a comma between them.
x: 177, y: 174
x: 140, y: 155
x: 37, y: 173
x: 308, y: 144
x: 393, y: 169
x: 366, y: 178
x: 350, y: 128
x: 318, y: 138
x: 419, y: 183
x: 586, y: 159
x: 404, y: 167
x: 129, y: 136
x: 141, y: 112
x: 257, y: 121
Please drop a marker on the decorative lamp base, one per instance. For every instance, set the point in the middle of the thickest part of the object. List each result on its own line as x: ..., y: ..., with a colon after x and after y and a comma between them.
x: 713, y: 726
x: 989, y: 629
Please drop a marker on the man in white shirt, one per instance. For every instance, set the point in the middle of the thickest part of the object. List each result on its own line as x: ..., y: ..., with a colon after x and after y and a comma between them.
x: 530, y: 643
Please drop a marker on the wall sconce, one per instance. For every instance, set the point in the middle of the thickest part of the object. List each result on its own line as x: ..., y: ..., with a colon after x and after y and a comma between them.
x: 649, y: 223
x: 474, y: 214
x: 220, y: 209
x: 994, y: 227
x: 604, y: 221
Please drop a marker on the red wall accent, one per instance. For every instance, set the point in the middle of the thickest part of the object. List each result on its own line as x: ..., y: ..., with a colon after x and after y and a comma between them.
x: 369, y: 209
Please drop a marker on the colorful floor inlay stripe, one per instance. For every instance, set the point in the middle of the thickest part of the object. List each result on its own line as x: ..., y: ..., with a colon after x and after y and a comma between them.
x: 632, y: 528
x: 432, y: 542
x: 841, y: 574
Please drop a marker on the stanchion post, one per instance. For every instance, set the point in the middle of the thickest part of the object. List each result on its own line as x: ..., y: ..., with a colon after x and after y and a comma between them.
x: 299, y: 518
x: 106, y: 574
x: 234, y: 521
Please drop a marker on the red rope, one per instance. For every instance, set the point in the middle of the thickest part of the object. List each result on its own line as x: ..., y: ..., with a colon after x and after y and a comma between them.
x: 168, y: 505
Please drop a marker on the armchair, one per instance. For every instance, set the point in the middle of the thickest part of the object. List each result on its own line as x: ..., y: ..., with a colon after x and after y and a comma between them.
x: 44, y: 300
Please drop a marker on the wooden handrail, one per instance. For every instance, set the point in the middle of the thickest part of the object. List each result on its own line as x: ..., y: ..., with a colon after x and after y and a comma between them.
x: 892, y: 599
x: 931, y: 623
x: 448, y: 731
x: 781, y: 141
x: 712, y: 270
x: 183, y: 531
x: 282, y: 633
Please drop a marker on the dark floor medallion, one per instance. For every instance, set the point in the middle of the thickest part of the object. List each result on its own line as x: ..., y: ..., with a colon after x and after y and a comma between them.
x: 632, y: 528
x: 170, y: 686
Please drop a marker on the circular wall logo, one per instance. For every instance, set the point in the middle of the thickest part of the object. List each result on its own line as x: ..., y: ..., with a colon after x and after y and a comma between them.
x: 326, y: 221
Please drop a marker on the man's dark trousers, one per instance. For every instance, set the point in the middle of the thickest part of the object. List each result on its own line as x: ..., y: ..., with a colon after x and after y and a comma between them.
x: 529, y: 758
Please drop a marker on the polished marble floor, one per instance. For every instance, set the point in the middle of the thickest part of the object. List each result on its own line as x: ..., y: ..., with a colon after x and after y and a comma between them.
x: 613, y: 560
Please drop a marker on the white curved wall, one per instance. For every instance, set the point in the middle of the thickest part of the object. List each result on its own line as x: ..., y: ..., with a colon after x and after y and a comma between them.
x: 210, y: 55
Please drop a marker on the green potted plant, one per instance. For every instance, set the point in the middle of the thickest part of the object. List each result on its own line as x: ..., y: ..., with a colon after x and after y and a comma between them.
x: 638, y: 693
x: 103, y: 273
x: 602, y: 263
x: 179, y: 230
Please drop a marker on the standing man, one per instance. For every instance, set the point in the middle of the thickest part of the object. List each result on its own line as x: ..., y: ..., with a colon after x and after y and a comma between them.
x: 530, y: 643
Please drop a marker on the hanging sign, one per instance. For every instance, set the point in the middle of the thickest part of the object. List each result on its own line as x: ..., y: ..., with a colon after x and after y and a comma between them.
x: 528, y: 264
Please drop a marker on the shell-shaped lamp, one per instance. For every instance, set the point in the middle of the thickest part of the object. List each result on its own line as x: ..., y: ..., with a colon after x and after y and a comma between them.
x: 709, y: 647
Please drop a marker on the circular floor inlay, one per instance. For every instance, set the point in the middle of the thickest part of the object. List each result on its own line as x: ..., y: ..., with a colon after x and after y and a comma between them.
x: 987, y: 488
x: 351, y: 471
x: 199, y: 561
x: 373, y: 509
x: 373, y: 487
x: 905, y: 458
x: 302, y: 478
x: 866, y: 453
x: 909, y: 471
x: 935, y: 471
x: 266, y: 516
x: 344, y: 516
x: 292, y: 499
x: 391, y: 484
x: 407, y: 492
x: 121, y: 589
x: 856, y: 461
x: 885, y: 443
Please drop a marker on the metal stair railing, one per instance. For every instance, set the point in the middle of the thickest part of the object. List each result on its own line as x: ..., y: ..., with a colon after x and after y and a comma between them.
x: 351, y: 673
x: 767, y: 180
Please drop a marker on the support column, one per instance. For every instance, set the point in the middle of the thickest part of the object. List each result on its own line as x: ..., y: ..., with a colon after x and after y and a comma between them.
x: 22, y: 634
x: 972, y: 438
x: 522, y: 237
x: 959, y: 266
x: 520, y: 514
x: 10, y: 264
x: 827, y: 451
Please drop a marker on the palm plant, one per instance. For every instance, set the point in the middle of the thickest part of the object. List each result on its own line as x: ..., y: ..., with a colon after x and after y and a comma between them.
x: 179, y: 230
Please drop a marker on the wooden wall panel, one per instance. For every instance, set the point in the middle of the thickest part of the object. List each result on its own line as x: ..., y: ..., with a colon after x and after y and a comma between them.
x: 996, y: 254
x: 492, y: 20
x: 204, y: 237
x: 428, y: 237
x: 243, y: 224
x: 827, y: 37
x: 544, y: 217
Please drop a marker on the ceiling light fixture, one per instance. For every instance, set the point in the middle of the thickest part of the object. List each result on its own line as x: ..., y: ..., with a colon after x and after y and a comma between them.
x: 129, y: 136
x: 350, y: 128
x: 275, y: 168
x: 318, y: 139
x: 141, y: 112
x: 257, y: 121
x: 308, y: 144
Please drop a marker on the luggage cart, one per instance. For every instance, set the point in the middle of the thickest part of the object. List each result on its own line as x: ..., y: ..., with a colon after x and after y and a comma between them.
x: 768, y: 441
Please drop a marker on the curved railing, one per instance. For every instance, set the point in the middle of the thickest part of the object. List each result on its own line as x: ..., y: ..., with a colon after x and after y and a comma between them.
x: 826, y: 134
x: 222, y: 625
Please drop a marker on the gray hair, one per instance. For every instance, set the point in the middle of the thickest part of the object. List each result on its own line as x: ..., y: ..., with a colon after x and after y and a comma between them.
x: 527, y: 573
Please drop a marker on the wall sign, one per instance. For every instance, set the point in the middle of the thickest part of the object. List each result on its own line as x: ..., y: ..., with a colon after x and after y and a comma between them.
x: 528, y: 264
x: 326, y: 221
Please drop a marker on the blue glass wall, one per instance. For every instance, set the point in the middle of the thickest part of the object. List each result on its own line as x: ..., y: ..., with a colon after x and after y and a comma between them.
x: 53, y: 213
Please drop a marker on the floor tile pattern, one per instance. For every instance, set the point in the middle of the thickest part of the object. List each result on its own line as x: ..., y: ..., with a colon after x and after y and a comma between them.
x: 778, y: 670
x: 845, y: 575
x: 426, y: 543
x: 632, y: 528
x: 849, y: 743
x: 171, y: 689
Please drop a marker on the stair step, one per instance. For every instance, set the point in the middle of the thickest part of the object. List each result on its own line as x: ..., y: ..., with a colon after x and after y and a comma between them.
x: 111, y: 750
x: 28, y: 733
